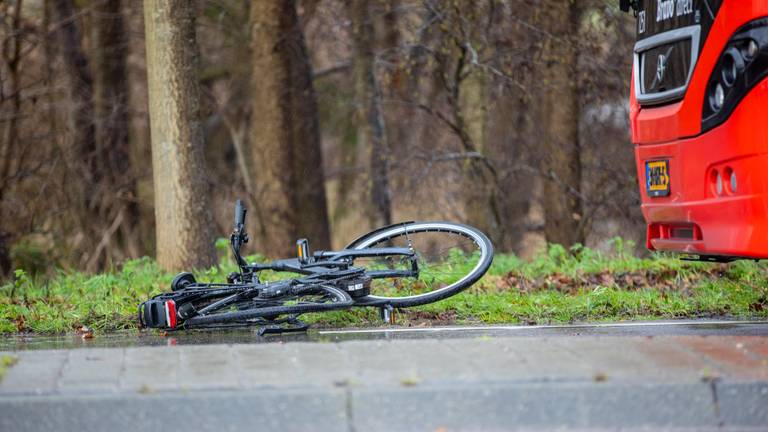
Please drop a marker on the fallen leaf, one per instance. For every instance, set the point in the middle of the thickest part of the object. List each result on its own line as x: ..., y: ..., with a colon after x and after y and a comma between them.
x: 707, y: 375
x: 409, y: 381
x: 145, y: 389
x: 342, y: 382
x: 20, y: 323
x: 85, y: 332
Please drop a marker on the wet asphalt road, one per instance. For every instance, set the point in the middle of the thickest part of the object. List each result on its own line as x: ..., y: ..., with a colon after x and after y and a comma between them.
x: 250, y: 336
x: 660, y: 376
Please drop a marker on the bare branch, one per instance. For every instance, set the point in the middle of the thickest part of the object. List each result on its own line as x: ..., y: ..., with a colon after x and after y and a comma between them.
x: 337, y: 68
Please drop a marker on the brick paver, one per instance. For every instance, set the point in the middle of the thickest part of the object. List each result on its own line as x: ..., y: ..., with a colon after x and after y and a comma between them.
x: 584, y: 382
x: 222, y: 367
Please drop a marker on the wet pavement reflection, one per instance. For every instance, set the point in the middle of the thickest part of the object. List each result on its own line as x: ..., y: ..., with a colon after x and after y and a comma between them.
x: 251, y: 336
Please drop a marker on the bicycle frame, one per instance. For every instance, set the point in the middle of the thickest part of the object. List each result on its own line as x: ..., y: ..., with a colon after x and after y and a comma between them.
x: 322, y: 262
x: 324, y: 268
x: 330, y: 262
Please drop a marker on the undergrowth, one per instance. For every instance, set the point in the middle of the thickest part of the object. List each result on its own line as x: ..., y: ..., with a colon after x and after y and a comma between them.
x: 557, y: 286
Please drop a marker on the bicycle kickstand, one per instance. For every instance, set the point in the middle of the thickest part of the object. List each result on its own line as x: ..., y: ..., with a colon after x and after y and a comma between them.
x: 387, y: 314
x: 292, y: 325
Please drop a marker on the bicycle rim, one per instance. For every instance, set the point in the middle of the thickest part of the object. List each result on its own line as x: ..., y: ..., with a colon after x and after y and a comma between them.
x: 451, y: 257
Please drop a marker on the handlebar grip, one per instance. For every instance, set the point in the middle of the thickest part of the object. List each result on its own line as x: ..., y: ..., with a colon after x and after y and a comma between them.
x: 239, y: 213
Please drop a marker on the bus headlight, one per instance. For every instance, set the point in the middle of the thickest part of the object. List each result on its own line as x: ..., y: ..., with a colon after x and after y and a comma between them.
x: 742, y: 64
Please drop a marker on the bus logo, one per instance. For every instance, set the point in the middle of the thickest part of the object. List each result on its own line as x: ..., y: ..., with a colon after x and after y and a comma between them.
x: 661, y: 67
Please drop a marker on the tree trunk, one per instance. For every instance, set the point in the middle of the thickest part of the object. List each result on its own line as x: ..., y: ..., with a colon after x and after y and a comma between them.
x: 12, y: 57
x: 562, y: 201
x: 112, y: 119
x: 182, y: 202
x: 84, y: 176
x: 285, y: 132
x: 510, y: 134
x: 372, y: 140
x: 82, y: 156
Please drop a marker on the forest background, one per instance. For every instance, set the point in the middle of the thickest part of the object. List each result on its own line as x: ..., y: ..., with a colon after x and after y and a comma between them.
x: 128, y: 128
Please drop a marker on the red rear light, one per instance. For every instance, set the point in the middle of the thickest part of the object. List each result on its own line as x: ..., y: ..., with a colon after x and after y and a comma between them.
x: 170, y: 313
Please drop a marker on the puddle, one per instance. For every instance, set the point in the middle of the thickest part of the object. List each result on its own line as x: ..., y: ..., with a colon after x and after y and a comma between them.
x: 135, y: 338
x: 251, y: 336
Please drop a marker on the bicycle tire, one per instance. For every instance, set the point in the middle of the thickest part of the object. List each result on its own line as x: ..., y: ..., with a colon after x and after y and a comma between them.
x: 340, y: 300
x: 412, y: 228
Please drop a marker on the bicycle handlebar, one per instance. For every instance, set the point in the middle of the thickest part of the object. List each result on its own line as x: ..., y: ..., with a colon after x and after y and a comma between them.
x: 239, y: 236
x: 239, y: 214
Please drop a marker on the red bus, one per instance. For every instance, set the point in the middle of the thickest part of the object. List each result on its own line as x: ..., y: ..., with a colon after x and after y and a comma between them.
x: 699, y: 120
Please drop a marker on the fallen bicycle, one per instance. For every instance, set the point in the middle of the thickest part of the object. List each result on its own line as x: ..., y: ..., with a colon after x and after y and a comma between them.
x: 398, y: 266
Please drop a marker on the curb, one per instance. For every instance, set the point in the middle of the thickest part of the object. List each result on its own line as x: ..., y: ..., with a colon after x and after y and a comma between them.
x: 469, y: 406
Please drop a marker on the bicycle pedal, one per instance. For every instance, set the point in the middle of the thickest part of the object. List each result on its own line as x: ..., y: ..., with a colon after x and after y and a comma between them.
x: 387, y: 314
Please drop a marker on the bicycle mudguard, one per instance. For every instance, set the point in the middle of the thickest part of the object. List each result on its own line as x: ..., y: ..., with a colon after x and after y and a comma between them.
x: 352, y: 244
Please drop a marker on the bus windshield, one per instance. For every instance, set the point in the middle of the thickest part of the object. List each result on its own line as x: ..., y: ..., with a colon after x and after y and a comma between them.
x: 670, y: 36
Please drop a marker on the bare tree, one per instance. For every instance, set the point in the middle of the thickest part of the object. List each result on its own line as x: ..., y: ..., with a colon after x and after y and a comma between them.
x: 112, y: 120
x: 82, y: 156
x: 85, y: 172
x: 11, y: 49
x: 458, y: 77
x: 285, y: 134
x: 182, y: 202
x: 560, y: 110
x: 485, y: 112
x: 509, y: 130
x: 372, y: 140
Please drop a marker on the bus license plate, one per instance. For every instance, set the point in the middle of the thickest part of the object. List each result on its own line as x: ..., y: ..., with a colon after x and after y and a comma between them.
x: 657, y: 178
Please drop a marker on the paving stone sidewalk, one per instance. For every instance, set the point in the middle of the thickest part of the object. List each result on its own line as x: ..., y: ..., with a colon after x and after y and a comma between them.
x: 587, y: 383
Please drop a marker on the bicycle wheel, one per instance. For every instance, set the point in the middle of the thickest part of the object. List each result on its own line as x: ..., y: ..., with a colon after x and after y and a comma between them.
x: 451, y: 257
x: 258, y: 311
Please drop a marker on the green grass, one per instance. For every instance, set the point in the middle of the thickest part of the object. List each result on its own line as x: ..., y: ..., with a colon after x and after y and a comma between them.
x: 558, y: 286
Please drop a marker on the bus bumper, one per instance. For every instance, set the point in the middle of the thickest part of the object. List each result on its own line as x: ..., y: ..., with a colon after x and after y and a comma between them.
x: 704, y: 216
x: 724, y: 228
